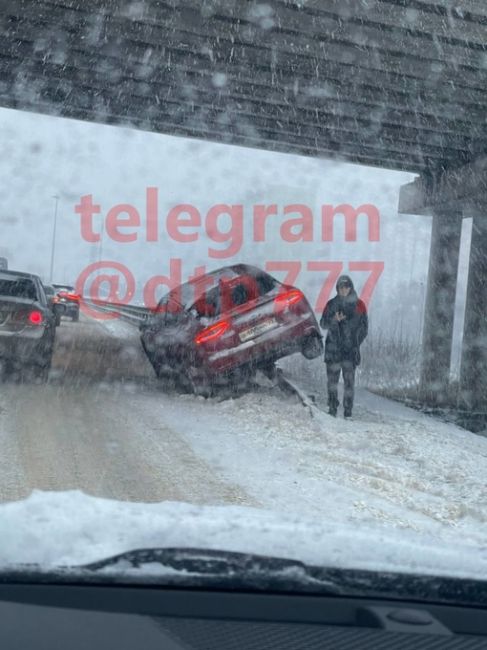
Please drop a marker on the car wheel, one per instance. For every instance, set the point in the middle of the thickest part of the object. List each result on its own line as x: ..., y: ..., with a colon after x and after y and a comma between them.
x: 41, y: 373
x: 312, y: 347
x: 35, y: 373
x: 166, y: 380
x: 241, y: 378
x: 156, y: 366
x: 158, y: 370
x: 199, y: 383
x: 269, y: 369
x: 7, y: 369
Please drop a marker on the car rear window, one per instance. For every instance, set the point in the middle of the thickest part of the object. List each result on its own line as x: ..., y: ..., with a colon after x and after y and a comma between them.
x: 232, y: 292
x: 191, y: 294
x: 266, y: 283
x: 18, y: 288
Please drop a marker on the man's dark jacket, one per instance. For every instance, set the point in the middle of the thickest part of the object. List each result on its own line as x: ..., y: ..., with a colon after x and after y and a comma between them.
x: 345, y: 337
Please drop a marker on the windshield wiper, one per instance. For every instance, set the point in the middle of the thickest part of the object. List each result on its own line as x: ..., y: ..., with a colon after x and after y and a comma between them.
x: 194, y: 566
x: 230, y: 570
x: 226, y: 570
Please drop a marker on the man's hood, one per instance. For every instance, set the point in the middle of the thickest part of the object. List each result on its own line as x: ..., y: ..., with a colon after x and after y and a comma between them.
x: 345, y: 279
x: 352, y: 297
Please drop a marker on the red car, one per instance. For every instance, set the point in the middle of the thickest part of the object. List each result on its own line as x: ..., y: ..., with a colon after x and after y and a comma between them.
x: 226, y: 325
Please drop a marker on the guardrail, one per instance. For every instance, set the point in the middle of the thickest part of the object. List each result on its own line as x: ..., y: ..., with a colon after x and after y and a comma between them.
x: 131, y: 313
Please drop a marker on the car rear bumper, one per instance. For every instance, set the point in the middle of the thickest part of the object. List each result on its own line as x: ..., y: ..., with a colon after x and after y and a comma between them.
x: 69, y: 308
x: 275, y: 344
x: 23, y: 349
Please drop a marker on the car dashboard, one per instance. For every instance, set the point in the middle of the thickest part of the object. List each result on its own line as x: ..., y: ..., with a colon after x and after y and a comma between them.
x: 98, y: 616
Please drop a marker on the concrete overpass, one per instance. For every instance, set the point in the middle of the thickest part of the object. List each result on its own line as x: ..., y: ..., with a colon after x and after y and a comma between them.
x: 400, y: 84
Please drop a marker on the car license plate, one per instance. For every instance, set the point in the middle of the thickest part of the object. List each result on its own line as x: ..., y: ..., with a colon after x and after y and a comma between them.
x: 258, y: 329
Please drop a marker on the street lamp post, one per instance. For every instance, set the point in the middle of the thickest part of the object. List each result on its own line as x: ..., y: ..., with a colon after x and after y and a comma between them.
x: 53, y: 245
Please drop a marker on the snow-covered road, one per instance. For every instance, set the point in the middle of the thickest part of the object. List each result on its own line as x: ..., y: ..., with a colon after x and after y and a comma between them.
x: 104, y: 426
x: 96, y: 427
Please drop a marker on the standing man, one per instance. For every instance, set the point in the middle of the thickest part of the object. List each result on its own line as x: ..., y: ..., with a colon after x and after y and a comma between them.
x: 345, y: 318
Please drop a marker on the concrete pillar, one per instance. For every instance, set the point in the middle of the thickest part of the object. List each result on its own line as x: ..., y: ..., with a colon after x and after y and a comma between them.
x: 440, y: 306
x: 473, y: 368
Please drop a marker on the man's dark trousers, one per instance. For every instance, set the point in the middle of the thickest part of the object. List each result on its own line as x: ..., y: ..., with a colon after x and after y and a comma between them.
x: 333, y: 373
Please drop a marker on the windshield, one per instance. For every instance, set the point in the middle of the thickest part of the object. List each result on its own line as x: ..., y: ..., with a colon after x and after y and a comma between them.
x: 263, y: 223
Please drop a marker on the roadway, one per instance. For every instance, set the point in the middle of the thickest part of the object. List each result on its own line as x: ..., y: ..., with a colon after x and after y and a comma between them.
x: 103, y: 425
x: 93, y: 428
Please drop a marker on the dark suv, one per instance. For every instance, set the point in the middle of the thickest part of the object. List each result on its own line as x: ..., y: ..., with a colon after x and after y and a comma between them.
x: 69, y: 299
x: 53, y: 302
x: 27, y: 324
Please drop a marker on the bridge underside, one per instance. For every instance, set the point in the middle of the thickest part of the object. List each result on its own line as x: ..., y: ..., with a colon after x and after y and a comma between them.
x: 380, y: 82
x: 390, y: 83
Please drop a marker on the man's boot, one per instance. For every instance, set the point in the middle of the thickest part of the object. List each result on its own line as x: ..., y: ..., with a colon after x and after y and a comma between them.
x: 333, y: 407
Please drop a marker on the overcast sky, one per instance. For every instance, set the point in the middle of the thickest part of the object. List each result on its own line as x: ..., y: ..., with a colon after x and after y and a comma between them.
x: 45, y: 156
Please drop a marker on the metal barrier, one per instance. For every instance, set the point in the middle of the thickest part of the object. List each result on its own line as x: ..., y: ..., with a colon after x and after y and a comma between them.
x: 131, y: 313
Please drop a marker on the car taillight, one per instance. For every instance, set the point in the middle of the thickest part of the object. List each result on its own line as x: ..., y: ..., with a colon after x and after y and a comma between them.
x: 36, y: 318
x: 212, y: 332
x: 287, y: 299
x: 69, y: 295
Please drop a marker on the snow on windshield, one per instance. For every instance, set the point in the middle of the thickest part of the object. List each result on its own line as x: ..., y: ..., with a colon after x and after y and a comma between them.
x: 267, y: 331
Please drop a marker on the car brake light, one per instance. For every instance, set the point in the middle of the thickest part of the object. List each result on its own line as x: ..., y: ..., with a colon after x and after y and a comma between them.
x: 212, y: 332
x: 68, y: 295
x: 288, y: 298
x: 36, y: 318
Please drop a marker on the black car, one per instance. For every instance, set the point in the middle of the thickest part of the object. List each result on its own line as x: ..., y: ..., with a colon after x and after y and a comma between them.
x: 69, y: 299
x: 27, y: 324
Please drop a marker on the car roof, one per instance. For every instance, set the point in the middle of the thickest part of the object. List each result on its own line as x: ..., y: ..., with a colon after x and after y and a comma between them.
x: 238, y: 269
x: 20, y: 274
